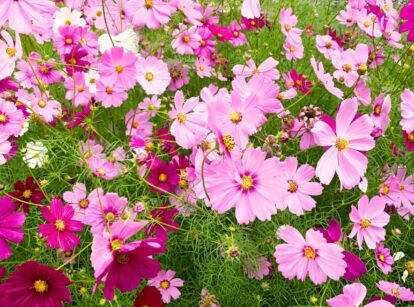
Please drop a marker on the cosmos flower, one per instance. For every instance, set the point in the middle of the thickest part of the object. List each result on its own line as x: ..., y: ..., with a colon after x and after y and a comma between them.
x: 384, y: 258
x: 163, y: 177
x: 152, y: 74
x: 394, y: 289
x: 27, y: 192
x: 36, y: 154
x: 10, y: 52
x: 167, y: 285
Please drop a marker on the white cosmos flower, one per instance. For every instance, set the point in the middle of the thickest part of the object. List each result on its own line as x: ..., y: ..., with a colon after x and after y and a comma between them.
x: 127, y: 40
x: 67, y: 17
x: 91, y: 78
x: 36, y: 154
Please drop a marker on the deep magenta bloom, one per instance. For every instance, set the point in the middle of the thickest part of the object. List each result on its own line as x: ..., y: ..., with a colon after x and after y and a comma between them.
x: 25, y: 193
x: 74, y: 60
x: 222, y: 33
x: 10, y: 224
x: 162, y: 220
x: 297, y: 81
x: 407, y: 14
x: 148, y: 297
x: 163, y: 177
x: 59, y: 231
x: 36, y: 284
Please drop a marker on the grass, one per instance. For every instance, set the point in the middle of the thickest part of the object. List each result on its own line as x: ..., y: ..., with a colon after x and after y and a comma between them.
x: 194, y: 251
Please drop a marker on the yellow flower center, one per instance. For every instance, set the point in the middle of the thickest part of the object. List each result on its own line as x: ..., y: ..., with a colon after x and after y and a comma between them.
x: 162, y: 177
x: 101, y: 171
x: 149, y: 76
x: 228, y: 142
x: 201, y: 67
x: 40, y: 286
x: 119, y: 69
x: 122, y: 258
x: 235, y: 33
x: 41, y: 103
x: 68, y: 22
x: 402, y: 187
x: 310, y: 253
x: 182, y: 183
x: 347, y: 67
x: 288, y: 28
x: 328, y: 45
x: 366, y: 24
x: 252, y: 23
x: 395, y: 292
x: 381, y: 257
x: 377, y: 110
x: 11, y: 52
x: 27, y: 194
x: 72, y: 61
x: 292, y: 48
x: 116, y: 244
x: 385, y: 189
x: 148, y: 4
x: 247, y: 183
x: 293, y: 186
x: 81, y: 88
x: 410, y: 137
x: 342, y: 144
x: 3, y: 118
x: 202, y: 43
x: 181, y: 117
x: 109, y: 90
x: 365, y: 223
x: 362, y: 69
x: 110, y: 216
x: 60, y: 225
x: 235, y: 117
x: 68, y: 41
x: 84, y: 203
x: 186, y: 38
x: 99, y: 13
x: 149, y: 146
x: 165, y: 284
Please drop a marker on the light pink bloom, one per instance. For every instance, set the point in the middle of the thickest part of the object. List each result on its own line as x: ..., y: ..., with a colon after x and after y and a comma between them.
x: 293, y: 51
x: 258, y: 267
x: 288, y: 22
x: 138, y: 123
x: 326, y: 45
x: 45, y: 107
x: 384, y: 258
x: 407, y: 110
x: 5, y: 148
x: 363, y: 93
x: 117, y: 67
x: 167, y: 285
x: 148, y: 13
x: 203, y: 67
x: 242, y: 184
x: 381, y: 114
x: 326, y: 78
x: 369, y: 221
x: 150, y: 105
x: 345, y: 145
x: 394, y: 289
x: 77, y: 90
x: 186, y: 41
x: 406, y: 189
x: 312, y: 255
x: 11, y: 118
x: 239, y: 38
x: 10, y: 52
x: 78, y: 200
x: 153, y: 75
x: 348, y: 17
x: 189, y: 120
x: 190, y: 10
x: 353, y: 296
x: 250, y: 9
x: 110, y: 96
x: 267, y: 69
x: 103, y: 168
x: 369, y: 23
x: 294, y: 189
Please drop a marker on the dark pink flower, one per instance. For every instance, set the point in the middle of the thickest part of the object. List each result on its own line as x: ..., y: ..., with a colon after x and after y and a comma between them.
x: 163, y: 177
x: 162, y: 220
x: 407, y: 14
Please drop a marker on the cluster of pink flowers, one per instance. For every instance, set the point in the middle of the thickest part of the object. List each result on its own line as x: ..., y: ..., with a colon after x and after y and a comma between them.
x: 139, y: 118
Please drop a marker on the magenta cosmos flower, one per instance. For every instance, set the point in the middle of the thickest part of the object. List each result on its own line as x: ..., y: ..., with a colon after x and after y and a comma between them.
x: 369, y: 221
x: 242, y: 184
x: 394, y: 289
x: 160, y: 221
x: 59, y: 231
x: 167, y: 285
x: 190, y: 123
x: 294, y: 189
x: 312, y: 255
x: 163, y: 177
x: 354, y: 295
x: 345, y: 145
x: 384, y: 259
x: 407, y: 14
x: 153, y: 75
x: 10, y: 224
x: 36, y: 284
x: 120, y: 264
x: 11, y: 118
x: 117, y: 67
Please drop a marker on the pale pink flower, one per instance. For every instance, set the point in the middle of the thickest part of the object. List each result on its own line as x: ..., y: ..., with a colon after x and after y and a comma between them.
x: 294, y: 189
x: 190, y: 10
x: 151, y: 13
x: 369, y: 23
x: 78, y: 200
x: 5, y: 148
x: 167, y: 285
x: 77, y: 90
x: 150, y: 105
x: 313, y: 255
x: 239, y: 38
x: 293, y: 51
x: 326, y: 78
x: 203, y: 67
x: 344, y: 155
x: 394, y: 289
x: 138, y: 123
x: 381, y: 114
x: 369, y: 221
x: 250, y: 9
x: 103, y: 168
x: 44, y: 106
x: 258, y: 267
x: 326, y: 45
x: 407, y: 110
x: 110, y: 96
x: 11, y: 119
x: 363, y: 93
x: 348, y: 17
x: 152, y: 75
x: 406, y: 189
x: 10, y: 52
x: 288, y: 22
x: 384, y: 258
x: 189, y: 120
x: 267, y: 69
x: 186, y: 41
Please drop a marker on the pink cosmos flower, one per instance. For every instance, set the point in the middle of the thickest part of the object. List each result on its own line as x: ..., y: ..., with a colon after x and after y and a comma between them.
x: 36, y: 284
x: 238, y: 38
x: 59, y: 231
x: 11, y: 118
x: 10, y: 226
x: 77, y: 91
x: 138, y: 123
x: 348, y: 17
x: 394, y: 289
x: 207, y: 45
x: 76, y: 61
x: 407, y: 15
x: 5, y: 148
x: 297, y: 81
x: 117, y: 67
x: 266, y: 69
x: 151, y: 14
x: 288, y: 22
x: 406, y: 188
x: 312, y: 255
x: 389, y: 190
x: 179, y: 75
x: 344, y: 156
x: 380, y: 114
x: 10, y: 52
x: 160, y: 221
x: 186, y: 40
x: 189, y: 121
x: 78, y: 200
x: 369, y: 221
x: 293, y: 187
x: 23, y: 14
x: 293, y: 51
x: 242, y: 184
x: 407, y: 110
x: 369, y: 23
x: 203, y: 67
x: 120, y: 264
x: 64, y: 40
x: 409, y: 140
x: 167, y: 285
x: 354, y: 295
x: 384, y: 259
x: 110, y: 96
x: 325, y: 78
x: 42, y: 104
x: 150, y: 105
x: 102, y: 168
x: 152, y: 75
x: 258, y: 267
x: 250, y: 9
x: 326, y: 45
x: 222, y: 33
x: 190, y: 10
x: 363, y: 93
